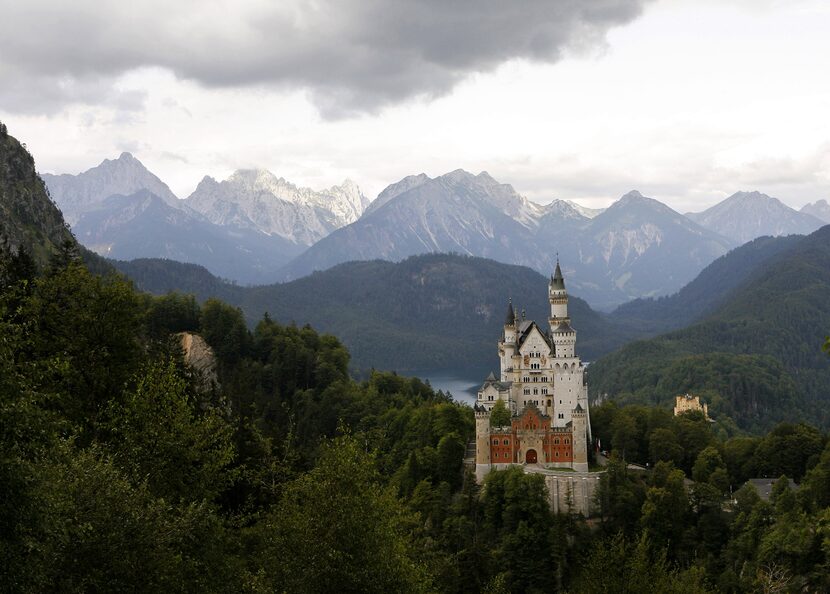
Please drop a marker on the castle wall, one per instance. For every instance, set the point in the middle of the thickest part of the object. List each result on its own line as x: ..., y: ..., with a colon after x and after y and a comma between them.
x: 572, y: 492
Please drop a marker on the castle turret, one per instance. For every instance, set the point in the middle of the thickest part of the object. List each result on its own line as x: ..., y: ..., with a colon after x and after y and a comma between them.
x: 482, y: 442
x: 510, y: 324
x: 579, y: 434
x: 507, y: 346
x: 558, y: 297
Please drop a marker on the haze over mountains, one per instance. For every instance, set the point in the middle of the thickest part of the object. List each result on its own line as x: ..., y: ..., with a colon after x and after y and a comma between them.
x: 256, y: 228
x: 819, y: 209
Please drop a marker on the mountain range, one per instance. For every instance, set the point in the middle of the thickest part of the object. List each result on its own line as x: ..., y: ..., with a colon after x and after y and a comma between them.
x: 245, y: 228
x: 256, y: 228
x: 636, y: 247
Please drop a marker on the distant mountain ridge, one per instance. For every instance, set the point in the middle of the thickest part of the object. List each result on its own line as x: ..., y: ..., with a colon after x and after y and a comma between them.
x: 257, y: 228
x: 142, y: 223
x: 746, y: 215
x: 819, y: 209
x: 636, y: 247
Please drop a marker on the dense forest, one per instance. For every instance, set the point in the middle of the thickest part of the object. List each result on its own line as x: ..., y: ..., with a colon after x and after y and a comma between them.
x: 125, y: 470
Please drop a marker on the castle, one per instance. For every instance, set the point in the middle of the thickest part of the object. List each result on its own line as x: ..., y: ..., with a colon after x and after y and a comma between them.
x: 687, y: 402
x: 542, y: 385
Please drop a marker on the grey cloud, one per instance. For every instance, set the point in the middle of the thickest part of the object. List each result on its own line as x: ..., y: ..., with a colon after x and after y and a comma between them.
x: 351, y: 55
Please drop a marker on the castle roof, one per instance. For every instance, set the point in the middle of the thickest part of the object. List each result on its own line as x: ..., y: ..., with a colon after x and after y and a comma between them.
x: 493, y: 381
x: 557, y: 281
x: 525, y: 328
x: 563, y: 328
x: 510, y: 318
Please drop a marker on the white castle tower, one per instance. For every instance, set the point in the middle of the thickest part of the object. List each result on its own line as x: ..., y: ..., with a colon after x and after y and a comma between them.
x: 542, y: 384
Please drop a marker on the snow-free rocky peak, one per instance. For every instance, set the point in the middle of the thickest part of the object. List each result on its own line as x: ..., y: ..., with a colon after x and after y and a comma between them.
x: 257, y: 199
x: 746, y: 215
x: 77, y: 194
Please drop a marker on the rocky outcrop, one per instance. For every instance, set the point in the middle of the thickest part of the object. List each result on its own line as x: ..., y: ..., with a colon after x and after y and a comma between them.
x: 199, y: 356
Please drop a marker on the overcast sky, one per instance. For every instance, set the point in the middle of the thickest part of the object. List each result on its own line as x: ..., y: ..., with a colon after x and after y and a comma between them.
x: 686, y: 100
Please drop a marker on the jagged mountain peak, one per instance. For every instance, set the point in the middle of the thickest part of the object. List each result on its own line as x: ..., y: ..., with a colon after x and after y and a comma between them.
x: 258, y: 199
x: 77, y: 194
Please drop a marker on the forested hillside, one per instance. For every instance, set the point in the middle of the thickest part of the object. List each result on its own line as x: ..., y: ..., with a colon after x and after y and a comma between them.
x: 709, y: 289
x: 431, y: 311
x: 756, y: 357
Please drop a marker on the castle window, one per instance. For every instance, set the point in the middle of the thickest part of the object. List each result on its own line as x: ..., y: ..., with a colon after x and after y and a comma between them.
x: 556, y: 453
x: 567, y: 441
x: 561, y: 415
x: 490, y: 397
x: 535, y: 391
x: 495, y: 442
x: 545, y: 391
x: 556, y: 441
x: 506, y: 442
x: 527, y: 391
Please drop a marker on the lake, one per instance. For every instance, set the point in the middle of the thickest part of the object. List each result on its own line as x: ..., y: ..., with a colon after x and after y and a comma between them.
x: 463, y: 384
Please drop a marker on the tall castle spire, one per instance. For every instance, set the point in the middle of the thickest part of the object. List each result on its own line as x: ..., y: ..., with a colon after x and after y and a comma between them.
x: 558, y: 298
x: 511, y: 316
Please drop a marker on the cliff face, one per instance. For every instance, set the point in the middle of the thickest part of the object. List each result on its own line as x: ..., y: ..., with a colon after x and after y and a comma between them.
x: 199, y: 355
x: 27, y: 214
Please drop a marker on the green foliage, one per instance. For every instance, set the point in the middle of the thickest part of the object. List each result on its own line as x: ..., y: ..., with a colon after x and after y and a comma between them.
x: 337, y: 529
x: 159, y: 436
x: 172, y: 313
x: 619, y: 565
x: 499, y: 415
